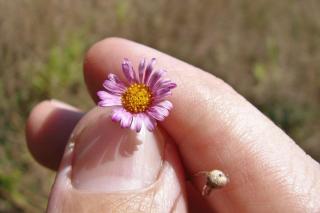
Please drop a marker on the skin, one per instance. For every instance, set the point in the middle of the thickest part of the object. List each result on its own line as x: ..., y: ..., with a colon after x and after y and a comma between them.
x: 217, y: 129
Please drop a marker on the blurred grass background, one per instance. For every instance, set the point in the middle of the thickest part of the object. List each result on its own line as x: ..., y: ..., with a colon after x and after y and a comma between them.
x: 268, y: 50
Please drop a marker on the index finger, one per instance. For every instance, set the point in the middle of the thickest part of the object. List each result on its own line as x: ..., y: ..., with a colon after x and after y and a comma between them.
x: 215, y: 127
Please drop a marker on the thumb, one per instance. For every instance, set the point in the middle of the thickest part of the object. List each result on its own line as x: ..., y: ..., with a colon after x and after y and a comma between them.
x: 106, y: 168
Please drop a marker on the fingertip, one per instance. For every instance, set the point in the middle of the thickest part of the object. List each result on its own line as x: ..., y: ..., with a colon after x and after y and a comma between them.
x: 217, y: 127
x: 47, y: 131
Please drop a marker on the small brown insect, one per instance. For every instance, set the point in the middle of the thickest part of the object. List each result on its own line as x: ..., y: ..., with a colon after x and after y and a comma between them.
x: 215, y: 179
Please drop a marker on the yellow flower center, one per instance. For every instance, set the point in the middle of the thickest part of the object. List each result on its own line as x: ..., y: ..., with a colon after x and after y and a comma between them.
x: 137, y: 98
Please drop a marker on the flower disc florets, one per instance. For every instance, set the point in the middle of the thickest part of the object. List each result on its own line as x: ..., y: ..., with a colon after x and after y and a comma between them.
x: 137, y: 98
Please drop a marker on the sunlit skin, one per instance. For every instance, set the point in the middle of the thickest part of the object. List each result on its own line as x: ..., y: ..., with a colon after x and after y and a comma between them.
x: 268, y: 172
x: 137, y: 98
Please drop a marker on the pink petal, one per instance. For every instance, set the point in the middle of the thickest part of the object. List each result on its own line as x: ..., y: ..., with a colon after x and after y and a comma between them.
x: 129, y: 72
x: 159, y: 83
x: 158, y: 113
x: 162, y: 91
x: 149, y: 122
x: 164, y: 84
x: 126, y: 119
x: 137, y: 122
x: 165, y: 104
x: 113, y: 87
x: 142, y: 66
x: 109, y: 102
x: 107, y: 99
x: 161, y: 98
x: 105, y: 95
x: 149, y: 70
x: 114, y: 78
x: 170, y: 85
x: 155, y: 77
x: 117, y: 114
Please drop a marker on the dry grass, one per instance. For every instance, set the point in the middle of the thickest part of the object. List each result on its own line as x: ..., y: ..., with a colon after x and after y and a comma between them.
x: 268, y: 50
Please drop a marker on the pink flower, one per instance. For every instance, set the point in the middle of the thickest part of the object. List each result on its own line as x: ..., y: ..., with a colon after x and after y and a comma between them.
x: 141, y: 100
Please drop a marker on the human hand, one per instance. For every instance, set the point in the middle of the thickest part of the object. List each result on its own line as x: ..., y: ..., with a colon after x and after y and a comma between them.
x: 114, y: 170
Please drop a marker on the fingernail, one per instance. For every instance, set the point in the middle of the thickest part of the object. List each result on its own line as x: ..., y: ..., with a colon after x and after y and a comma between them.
x: 108, y: 158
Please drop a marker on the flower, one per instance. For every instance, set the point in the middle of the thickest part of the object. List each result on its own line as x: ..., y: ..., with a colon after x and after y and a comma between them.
x: 141, y: 100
